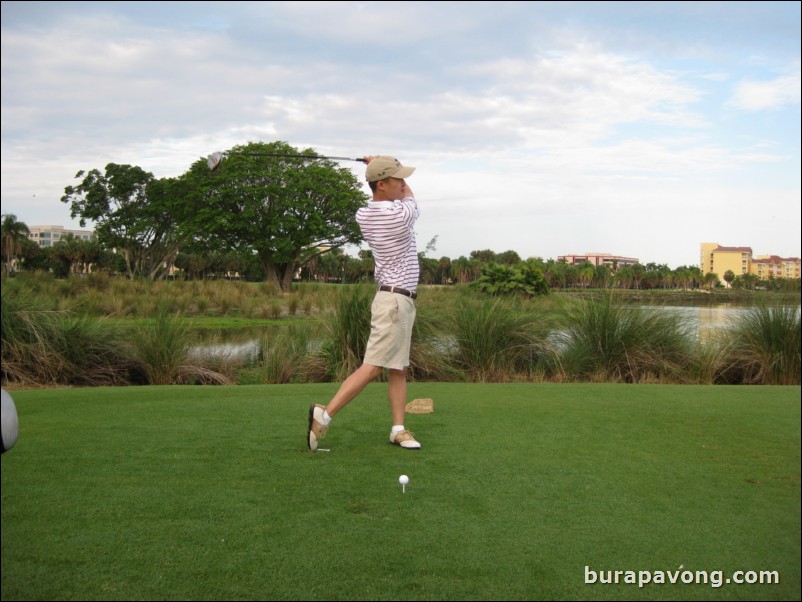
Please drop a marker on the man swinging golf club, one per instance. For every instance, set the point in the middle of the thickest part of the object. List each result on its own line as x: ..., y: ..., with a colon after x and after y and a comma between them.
x: 387, y: 224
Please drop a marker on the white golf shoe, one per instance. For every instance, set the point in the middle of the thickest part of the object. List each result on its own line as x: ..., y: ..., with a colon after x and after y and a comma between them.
x: 317, y: 430
x: 404, y: 439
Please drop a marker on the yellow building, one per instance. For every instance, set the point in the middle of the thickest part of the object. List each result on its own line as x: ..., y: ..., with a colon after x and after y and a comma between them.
x: 772, y: 266
x: 718, y: 260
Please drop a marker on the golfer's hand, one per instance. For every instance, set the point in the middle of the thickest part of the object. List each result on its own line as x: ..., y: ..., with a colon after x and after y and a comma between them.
x: 367, y: 159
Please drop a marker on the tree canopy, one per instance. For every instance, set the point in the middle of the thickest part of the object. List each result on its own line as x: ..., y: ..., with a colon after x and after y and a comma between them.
x: 284, y: 210
x: 134, y: 213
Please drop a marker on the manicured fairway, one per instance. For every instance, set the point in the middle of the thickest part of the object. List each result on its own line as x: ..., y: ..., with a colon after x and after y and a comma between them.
x: 521, y: 491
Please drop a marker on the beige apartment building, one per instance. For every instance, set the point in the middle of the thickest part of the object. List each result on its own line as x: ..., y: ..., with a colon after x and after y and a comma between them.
x: 47, y: 236
x: 718, y: 260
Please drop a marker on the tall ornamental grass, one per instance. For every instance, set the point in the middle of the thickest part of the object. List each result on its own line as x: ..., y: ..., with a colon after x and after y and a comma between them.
x: 28, y: 326
x: 495, y: 341
x: 763, y: 347
x: 430, y: 355
x: 161, y: 350
x: 95, y: 353
x: 345, y: 330
x: 42, y: 346
x: 287, y: 354
x: 98, y: 330
x: 606, y: 341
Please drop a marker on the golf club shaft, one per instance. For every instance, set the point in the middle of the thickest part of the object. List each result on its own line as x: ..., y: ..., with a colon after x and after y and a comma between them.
x: 299, y: 156
x: 213, y: 160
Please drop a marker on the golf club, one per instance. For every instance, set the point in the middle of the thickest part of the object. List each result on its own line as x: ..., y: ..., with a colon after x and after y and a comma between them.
x: 214, y: 160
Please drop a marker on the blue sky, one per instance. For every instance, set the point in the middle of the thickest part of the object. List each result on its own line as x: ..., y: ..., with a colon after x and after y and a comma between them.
x: 549, y: 128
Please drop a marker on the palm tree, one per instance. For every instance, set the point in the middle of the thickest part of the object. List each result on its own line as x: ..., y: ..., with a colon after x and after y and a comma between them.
x: 637, y: 274
x: 603, y: 275
x: 624, y: 276
x: 711, y: 279
x: 12, y: 235
x: 444, y: 266
x: 729, y: 276
x: 586, y: 273
x: 683, y: 277
x: 461, y: 269
x: 69, y: 247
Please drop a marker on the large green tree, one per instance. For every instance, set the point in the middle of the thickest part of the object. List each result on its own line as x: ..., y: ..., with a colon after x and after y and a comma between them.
x: 134, y: 213
x: 285, y: 210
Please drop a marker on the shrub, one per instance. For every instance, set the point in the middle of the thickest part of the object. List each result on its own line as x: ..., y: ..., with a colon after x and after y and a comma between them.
x: 45, y: 347
x: 497, y: 341
x: 607, y: 341
x: 285, y: 354
x: 346, y: 329
x: 161, y: 350
x: 763, y: 348
x: 432, y: 349
x: 523, y: 279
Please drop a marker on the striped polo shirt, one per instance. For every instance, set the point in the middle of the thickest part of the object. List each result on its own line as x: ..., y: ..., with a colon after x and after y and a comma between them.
x: 388, y: 226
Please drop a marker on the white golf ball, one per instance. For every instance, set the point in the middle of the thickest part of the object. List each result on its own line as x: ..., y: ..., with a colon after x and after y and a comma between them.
x: 403, y: 479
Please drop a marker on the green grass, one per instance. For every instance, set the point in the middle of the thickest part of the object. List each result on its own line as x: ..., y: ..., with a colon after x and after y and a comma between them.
x: 190, y: 493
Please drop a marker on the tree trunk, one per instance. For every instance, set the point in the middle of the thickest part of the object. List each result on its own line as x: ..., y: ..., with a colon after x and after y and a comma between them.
x: 271, y: 277
x: 288, y: 276
x: 280, y: 274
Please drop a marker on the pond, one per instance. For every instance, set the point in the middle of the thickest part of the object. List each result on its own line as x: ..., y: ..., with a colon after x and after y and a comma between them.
x: 704, y: 319
x: 238, y: 344
x: 245, y: 344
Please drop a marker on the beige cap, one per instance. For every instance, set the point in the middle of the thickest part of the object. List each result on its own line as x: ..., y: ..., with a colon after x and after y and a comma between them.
x: 385, y: 166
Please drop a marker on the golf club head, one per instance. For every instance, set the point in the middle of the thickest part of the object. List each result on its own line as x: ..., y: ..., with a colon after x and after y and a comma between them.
x: 214, y: 160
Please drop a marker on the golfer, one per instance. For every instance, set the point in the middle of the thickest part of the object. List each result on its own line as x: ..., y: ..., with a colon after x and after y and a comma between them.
x: 387, y: 224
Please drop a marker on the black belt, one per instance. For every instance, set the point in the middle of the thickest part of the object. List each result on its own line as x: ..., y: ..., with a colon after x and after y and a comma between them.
x: 400, y: 291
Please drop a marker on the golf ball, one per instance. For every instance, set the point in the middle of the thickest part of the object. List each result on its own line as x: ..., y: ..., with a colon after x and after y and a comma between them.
x: 403, y: 479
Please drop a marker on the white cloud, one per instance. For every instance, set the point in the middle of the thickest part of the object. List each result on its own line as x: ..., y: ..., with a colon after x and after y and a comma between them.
x: 772, y: 94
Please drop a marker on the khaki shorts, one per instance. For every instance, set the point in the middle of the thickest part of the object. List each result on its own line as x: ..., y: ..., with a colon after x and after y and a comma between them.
x: 391, y: 319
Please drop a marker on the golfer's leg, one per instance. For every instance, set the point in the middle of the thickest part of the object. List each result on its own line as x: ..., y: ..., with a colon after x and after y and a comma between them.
x: 397, y: 392
x: 352, y: 386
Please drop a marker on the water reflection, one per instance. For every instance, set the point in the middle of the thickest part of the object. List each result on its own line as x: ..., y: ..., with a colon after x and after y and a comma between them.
x: 707, y: 319
x: 239, y: 344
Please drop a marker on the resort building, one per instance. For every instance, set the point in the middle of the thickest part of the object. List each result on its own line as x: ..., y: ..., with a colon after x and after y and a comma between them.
x: 772, y: 266
x: 47, y: 236
x: 597, y: 259
x: 718, y: 260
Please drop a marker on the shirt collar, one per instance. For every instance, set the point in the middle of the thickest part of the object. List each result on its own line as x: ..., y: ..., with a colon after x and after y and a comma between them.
x: 381, y: 204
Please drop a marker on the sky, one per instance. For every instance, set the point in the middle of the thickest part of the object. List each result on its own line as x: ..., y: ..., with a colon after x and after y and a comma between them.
x: 640, y: 129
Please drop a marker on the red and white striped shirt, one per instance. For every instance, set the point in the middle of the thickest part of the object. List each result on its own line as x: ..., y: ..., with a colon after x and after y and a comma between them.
x: 388, y: 226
